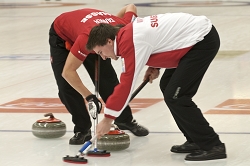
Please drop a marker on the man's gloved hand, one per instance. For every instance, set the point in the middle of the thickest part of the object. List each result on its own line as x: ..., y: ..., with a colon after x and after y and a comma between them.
x: 95, y: 106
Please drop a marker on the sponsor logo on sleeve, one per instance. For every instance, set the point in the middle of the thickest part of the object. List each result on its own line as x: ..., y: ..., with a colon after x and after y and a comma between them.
x: 82, y: 54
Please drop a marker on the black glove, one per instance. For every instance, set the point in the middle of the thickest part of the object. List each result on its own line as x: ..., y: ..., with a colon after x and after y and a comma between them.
x: 95, y: 106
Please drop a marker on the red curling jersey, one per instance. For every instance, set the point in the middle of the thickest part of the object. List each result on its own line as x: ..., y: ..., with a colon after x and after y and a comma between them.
x: 75, y: 26
x: 158, y: 41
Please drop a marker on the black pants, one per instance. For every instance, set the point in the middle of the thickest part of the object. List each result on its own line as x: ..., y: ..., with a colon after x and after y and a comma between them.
x: 73, y: 101
x: 181, y: 84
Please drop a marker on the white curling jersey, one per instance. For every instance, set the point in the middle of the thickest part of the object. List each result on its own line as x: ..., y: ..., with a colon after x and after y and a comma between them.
x: 158, y: 41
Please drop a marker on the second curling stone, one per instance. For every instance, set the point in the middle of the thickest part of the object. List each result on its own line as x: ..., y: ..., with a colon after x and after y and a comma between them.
x: 49, y: 128
x: 115, y: 140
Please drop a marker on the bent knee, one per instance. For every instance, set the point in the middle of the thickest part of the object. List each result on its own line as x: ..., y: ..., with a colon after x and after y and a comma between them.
x: 172, y: 100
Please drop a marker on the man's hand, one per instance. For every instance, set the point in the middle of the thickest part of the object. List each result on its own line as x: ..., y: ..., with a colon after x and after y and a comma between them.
x: 151, y: 73
x: 103, y: 127
x: 95, y: 106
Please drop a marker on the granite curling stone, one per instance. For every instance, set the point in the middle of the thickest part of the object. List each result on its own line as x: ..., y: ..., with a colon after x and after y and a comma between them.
x: 115, y: 140
x: 49, y: 128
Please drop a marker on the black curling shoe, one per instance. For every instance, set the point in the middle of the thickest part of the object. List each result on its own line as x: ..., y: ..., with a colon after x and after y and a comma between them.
x: 217, y: 152
x: 134, y: 127
x: 187, y: 147
x: 80, y: 138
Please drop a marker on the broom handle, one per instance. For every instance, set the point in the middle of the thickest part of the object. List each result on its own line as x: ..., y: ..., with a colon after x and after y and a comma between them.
x: 139, y: 88
x: 97, y: 72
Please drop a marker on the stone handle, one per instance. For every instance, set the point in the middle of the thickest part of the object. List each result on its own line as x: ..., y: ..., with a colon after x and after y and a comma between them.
x: 50, y: 115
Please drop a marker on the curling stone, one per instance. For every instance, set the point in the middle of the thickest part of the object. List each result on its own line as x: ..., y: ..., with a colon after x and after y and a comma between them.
x: 115, y: 140
x: 49, y: 128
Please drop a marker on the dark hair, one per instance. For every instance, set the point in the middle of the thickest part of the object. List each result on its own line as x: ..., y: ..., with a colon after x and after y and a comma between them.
x: 100, y: 34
